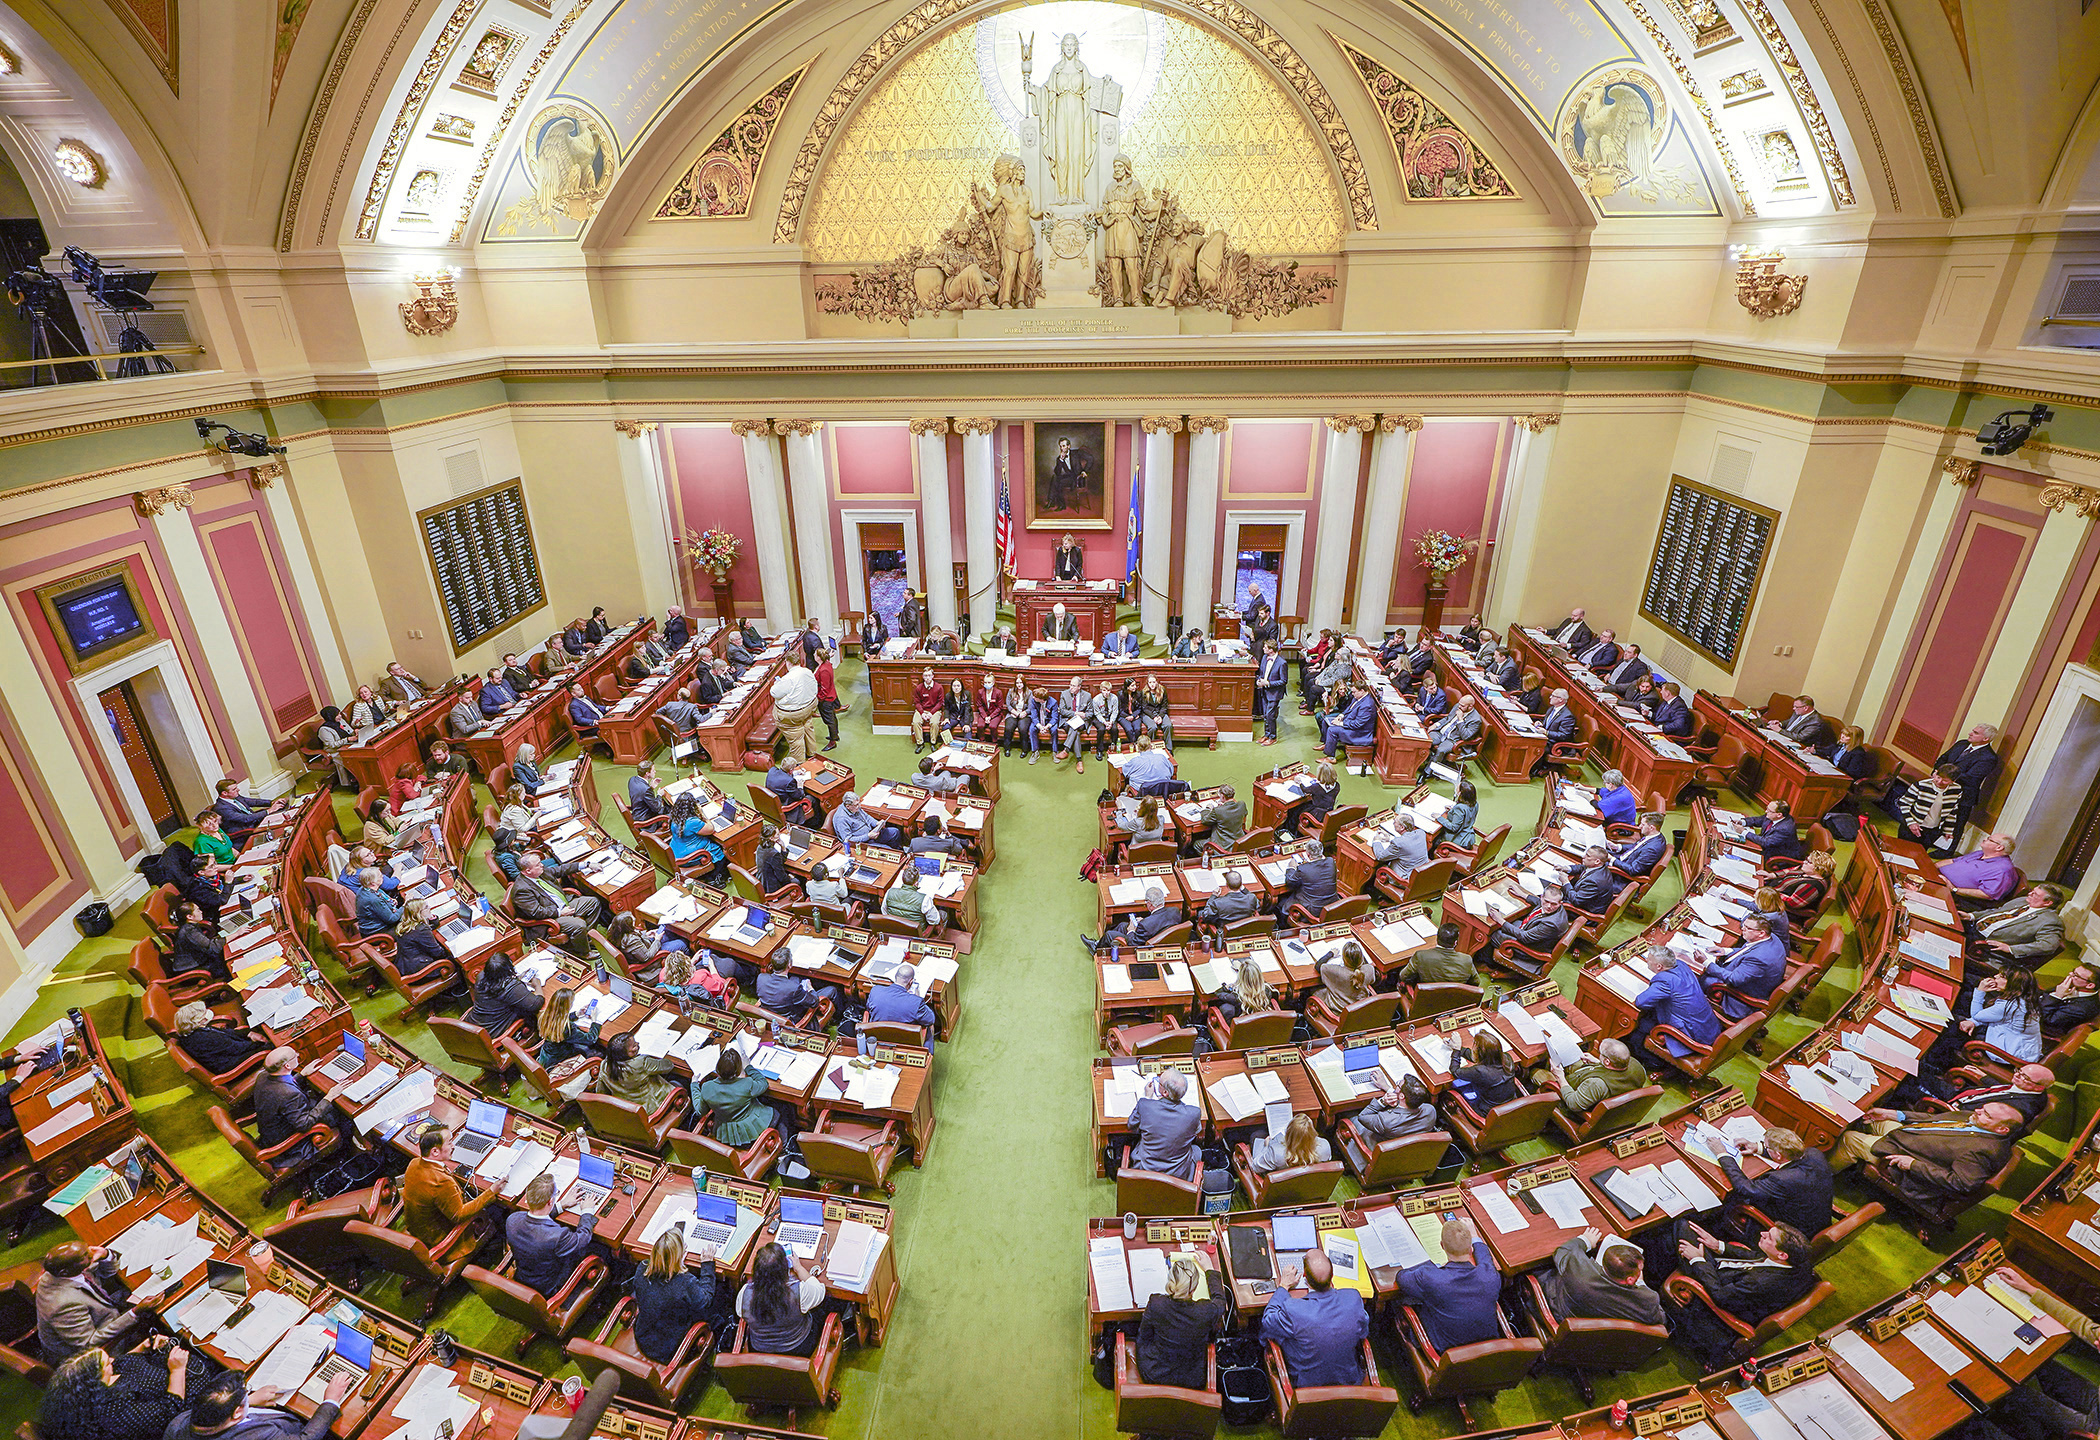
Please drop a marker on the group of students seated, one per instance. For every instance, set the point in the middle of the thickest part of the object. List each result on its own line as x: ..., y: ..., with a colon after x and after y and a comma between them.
x: 1020, y: 718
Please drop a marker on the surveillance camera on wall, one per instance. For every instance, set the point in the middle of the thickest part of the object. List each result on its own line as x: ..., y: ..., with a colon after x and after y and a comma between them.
x: 2007, y: 433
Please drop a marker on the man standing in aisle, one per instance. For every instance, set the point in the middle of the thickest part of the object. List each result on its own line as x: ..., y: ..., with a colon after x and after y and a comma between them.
x: 795, y: 707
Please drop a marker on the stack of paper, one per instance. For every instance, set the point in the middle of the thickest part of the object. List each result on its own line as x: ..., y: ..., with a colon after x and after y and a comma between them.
x: 1564, y: 1202
x: 1385, y: 1238
x: 412, y: 1094
x: 274, y: 1313
x: 431, y: 1399
x: 1112, y: 1289
x: 854, y: 1251
x: 1235, y: 1095
x: 1504, y: 1214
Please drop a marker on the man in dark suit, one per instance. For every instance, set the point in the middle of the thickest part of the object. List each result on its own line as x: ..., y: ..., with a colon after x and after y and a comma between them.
x: 220, y: 1410
x: 1776, y: 834
x: 1310, y: 883
x: 546, y: 1251
x: 1930, y: 1162
x: 713, y: 682
x: 1748, y: 1282
x: 1753, y: 968
x: 677, y: 629
x: 1505, y: 671
x: 643, y: 801
x: 1626, y: 674
x: 1572, y: 634
x: 284, y: 1106
x: 240, y: 813
x: 516, y: 676
x: 1635, y: 858
x: 1589, y: 888
x: 1057, y: 625
x: 1271, y: 678
x: 1975, y: 762
x: 1601, y: 654
x: 1796, y: 1191
x: 1166, y: 1130
x: 1586, y: 1286
x: 1064, y: 475
x: 1136, y: 930
x: 1540, y: 929
x: 584, y: 713
x: 1806, y: 726
x: 1560, y: 726
x: 1672, y: 716
x: 1455, y: 1295
x: 2074, y: 1001
x: 1231, y: 904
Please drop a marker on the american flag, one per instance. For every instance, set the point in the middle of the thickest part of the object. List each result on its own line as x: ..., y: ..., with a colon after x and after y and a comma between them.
x: 1004, y: 534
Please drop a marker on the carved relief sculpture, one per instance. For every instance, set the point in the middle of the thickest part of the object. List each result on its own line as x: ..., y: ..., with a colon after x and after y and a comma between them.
x: 1960, y: 470
x: 1124, y: 213
x: 485, y: 63
x: 435, y: 308
x: 160, y: 501
x: 571, y: 158
x: 1762, y: 290
x: 1010, y: 214
x: 1438, y: 160
x: 2061, y: 495
x: 721, y: 182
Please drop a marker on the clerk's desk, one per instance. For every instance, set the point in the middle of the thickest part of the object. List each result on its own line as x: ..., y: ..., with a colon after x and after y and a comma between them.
x: 1091, y: 604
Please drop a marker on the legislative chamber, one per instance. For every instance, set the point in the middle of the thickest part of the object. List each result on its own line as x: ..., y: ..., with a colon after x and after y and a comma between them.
x: 604, y: 598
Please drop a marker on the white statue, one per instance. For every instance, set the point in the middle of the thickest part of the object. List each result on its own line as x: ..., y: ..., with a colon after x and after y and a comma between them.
x: 1067, y: 103
x: 1125, y: 214
x: 1615, y: 132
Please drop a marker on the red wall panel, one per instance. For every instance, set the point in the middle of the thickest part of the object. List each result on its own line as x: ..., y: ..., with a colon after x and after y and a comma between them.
x: 1271, y: 465
x: 43, y: 874
x: 1034, y: 548
x: 1453, y: 484
x: 710, y: 489
x: 1986, y: 568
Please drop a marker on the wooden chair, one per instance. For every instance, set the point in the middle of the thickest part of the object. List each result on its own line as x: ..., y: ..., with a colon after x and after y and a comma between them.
x: 759, y: 1381
x: 1464, y: 1371
x: 1252, y: 1029
x: 1510, y: 1123
x: 499, y: 779
x: 1423, y: 886
x: 234, y: 1087
x: 1569, y: 756
x: 1150, y: 852
x: 626, y: 1123
x: 1684, y: 1291
x: 149, y: 969
x: 701, y: 1151
x: 535, y: 1075
x: 157, y: 911
x: 1389, y: 1164
x: 317, y: 1235
x: 848, y: 1150
x: 1704, y: 1059
x: 1164, y: 1409
x: 641, y: 1378
x: 281, y: 1163
x: 1514, y: 956
x: 1483, y: 853
x: 1349, y: 907
x: 468, y: 1044
x: 1339, y: 819
x: 1158, y: 1037
x: 1423, y: 1002
x: 20, y: 1351
x: 1372, y: 1012
x: 1331, y: 1409
x: 1295, y: 1185
x: 1586, y: 1347
x: 1608, y: 1116
x: 359, y: 958
x: 431, y: 984
x: 554, y: 1316
x: 1153, y: 1192
x: 420, y: 1267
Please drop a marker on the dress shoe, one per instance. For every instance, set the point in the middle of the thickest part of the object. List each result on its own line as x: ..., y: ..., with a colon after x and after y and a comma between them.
x: 1090, y: 942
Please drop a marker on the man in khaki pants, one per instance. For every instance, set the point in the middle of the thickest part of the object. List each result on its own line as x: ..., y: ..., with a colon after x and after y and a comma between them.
x: 795, y: 707
x: 1931, y: 1161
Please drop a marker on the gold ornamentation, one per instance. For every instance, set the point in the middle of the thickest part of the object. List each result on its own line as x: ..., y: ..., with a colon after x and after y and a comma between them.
x: 1702, y: 20
x: 1783, y: 166
x: 435, y: 308
x: 571, y: 158
x: 1352, y: 424
x: 1213, y: 424
x: 1913, y: 102
x: 1161, y: 424
x: 1714, y: 131
x: 1539, y: 424
x: 635, y: 429
x: 510, y: 111
x: 804, y: 428
x: 1437, y: 159
x: 2060, y: 495
x: 976, y: 425
x: 452, y: 127
x: 266, y: 473
x: 153, y: 23
x: 308, y: 141
x: 487, y: 61
x: 1804, y: 96
x: 1760, y: 287
x: 1960, y: 470
x: 291, y: 14
x: 1607, y: 137
x: 745, y: 429
x: 1387, y: 424
x: 1743, y: 84
x: 10, y: 63
x: 80, y: 164
x: 411, y: 106
x: 938, y: 425
x: 160, y: 501
x: 720, y: 183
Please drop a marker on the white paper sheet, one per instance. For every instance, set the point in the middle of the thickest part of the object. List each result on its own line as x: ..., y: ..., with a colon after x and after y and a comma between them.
x: 1111, y: 1274
x: 1857, y: 1351
x: 1503, y: 1212
x: 1936, y: 1347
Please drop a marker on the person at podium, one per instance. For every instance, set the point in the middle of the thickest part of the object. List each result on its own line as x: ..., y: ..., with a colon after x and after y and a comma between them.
x: 1070, y: 563
x: 1057, y: 625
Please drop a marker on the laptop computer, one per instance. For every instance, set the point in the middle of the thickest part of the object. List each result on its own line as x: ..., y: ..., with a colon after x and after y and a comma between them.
x: 1360, y: 1064
x: 754, y: 924
x: 801, y: 1223
x: 714, y: 1219
x: 227, y: 1277
x: 621, y: 988
x: 348, y: 1061
x: 483, y: 1132
x: 797, y: 840
x: 352, y: 1355
x: 594, y: 1181
x: 1294, y: 1234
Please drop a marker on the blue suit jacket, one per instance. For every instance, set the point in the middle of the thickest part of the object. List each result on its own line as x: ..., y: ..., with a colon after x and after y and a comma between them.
x: 1457, y: 1303
x: 1590, y: 890
x: 1431, y: 701
x: 1560, y: 725
x: 584, y: 715
x: 1321, y: 1334
x: 547, y: 1252
x: 1753, y: 969
x: 1779, y: 837
x: 894, y: 1002
x: 1120, y: 645
x: 1618, y: 807
x: 1678, y: 1000
x: 1637, y: 858
x: 1360, y: 720
x: 1674, y: 717
x: 1274, y: 674
x: 1797, y: 1193
x: 494, y: 697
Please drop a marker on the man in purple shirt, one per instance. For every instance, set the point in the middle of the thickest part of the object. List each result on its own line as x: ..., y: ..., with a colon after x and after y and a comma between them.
x: 1983, y: 877
x: 1321, y: 1335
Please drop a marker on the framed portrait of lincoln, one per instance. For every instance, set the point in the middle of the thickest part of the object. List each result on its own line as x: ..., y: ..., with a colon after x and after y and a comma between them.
x: 1068, y: 480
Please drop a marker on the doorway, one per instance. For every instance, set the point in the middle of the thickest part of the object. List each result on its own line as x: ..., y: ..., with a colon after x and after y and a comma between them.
x: 127, y: 723
x: 883, y: 570
x: 1258, y: 566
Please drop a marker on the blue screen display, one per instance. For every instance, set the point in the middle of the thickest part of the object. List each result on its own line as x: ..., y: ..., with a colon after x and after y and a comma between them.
x: 98, y: 616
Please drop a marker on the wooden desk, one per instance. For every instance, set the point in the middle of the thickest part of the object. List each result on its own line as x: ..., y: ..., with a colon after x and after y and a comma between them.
x: 1510, y: 744
x: 1180, y: 1235
x: 1325, y: 1217
x: 1092, y: 607
x: 1139, y: 880
x: 977, y: 759
x: 2038, y: 1234
x: 875, y: 1297
x: 677, y: 1184
x: 1141, y: 997
x: 1285, y: 1062
x: 1931, y: 1407
x: 726, y: 731
x: 1766, y: 765
x: 396, y: 1350
x: 1267, y: 809
x: 87, y: 1095
x: 911, y: 1106
x: 1212, y: 688
x: 945, y: 996
x: 377, y: 758
x: 1521, y: 1250
x: 1591, y: 1160
x: 1979, y: 1257
x: 629, y: 727
x: 1109, y: 1128
x: 897, y: 802
x: 508, y: 1393
x: 826, y: 780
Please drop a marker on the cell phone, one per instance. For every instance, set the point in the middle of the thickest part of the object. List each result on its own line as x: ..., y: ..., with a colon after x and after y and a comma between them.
x: 1261, y: 1287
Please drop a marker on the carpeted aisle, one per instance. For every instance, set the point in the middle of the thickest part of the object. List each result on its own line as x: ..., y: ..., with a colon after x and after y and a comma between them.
x: 989, y: 1334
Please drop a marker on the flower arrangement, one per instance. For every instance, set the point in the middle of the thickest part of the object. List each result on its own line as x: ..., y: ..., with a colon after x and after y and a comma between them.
x: 1440, y: 552
x: 714, y: 550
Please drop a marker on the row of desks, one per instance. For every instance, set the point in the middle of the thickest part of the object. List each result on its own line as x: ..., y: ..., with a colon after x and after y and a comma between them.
x: 1217, y: 689
x: 1627, y: 740
x: 1765, y: 764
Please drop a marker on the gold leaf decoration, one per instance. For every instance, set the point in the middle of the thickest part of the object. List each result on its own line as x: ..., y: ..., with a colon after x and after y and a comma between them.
x: 720, y: 183
x: 1438, y: 160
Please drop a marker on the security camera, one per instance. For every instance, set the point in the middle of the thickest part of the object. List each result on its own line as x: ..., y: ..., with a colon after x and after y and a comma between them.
x: 2007, y: 433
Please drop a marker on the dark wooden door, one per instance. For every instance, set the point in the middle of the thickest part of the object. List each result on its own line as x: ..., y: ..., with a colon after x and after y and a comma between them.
x: 148, y: 771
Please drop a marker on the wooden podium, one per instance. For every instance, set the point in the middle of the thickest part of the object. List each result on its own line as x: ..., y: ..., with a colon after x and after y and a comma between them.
x: 1092, y: 607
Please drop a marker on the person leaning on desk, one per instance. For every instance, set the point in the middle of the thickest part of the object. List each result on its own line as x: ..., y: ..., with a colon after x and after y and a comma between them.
x: 223, y: 1409
x: 1321, y: 1333
x: 1586, y: 1285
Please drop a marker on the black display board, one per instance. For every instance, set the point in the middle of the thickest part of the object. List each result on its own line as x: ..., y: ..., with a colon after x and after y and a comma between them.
x: 1709, y: 558
x: 482, y: 557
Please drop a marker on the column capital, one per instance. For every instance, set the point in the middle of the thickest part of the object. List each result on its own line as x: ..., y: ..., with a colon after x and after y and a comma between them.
x: 803, y: 428
x: 745, y: 429
x: 2060, y: 496
x: 1213, y: 424
x: 1389, y: 423
x: 1961, y: 471
x: 1161, y: 424
x: 937, y: 425
x: 976, y: 425
x: 1352, y: 424
x: 635, y: 429
x: 160, y: 501
x: 264, y: 474
x: 1538, y: 424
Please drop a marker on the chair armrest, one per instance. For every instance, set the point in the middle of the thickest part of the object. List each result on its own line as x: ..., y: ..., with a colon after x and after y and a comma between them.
x: 1685, y: 1290
x: 1460, y: 1102
x: 1671, y: 1031
x: 686, y: 1346
x: 614, y: 1318
x: 318, y: 1133
x: 1414, y: 1334
x: 1984, y: 1051
x: 243, y: 1070
x: 591, y: 1267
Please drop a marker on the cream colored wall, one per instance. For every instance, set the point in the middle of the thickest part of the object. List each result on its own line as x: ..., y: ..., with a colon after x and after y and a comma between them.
x: 349, y: 614
x: 582, y: 514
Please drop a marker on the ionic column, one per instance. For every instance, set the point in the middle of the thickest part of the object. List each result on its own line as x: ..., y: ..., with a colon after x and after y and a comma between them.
x: 981, y: 521
x: 931, y: 436
x: 1529, y: 466
x: 1156, y: 545
x: 812, y: 505
x: 1199, y: 580
x: 1345, y: 451
x: 1391, y: 452
x: 762, y: 476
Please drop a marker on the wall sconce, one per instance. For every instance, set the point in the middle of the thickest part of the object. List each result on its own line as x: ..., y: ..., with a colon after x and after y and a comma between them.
x: 436, y: 306
x: 1760, y: 287
x: 79, y: 164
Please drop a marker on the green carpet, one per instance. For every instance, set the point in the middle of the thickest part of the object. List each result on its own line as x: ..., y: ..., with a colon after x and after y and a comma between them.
x: 989, y: 1336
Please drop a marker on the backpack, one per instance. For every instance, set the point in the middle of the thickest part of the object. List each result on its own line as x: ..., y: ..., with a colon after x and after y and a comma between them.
x: 1093, y: 865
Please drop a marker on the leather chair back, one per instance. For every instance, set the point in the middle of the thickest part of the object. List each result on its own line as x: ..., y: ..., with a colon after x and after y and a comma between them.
x: 766, y: 803
x: 325, y: 890
x: 1611, y: 1115
x: 535, y: 1074
x: 789, y: 1382
x: 514, y: 1302
x: 1393, y: 1163
x: 159, y: 1010
x: 1164, y: 1038
x: 1338, y: 819
x: 703, y: 1152
x: 19, y: 1350
x: 1513, y: 1121
x: 1587, y: 1345
x: 1439, y: 997
x: 1331, y: 1409
x: 1143, y: 1409
x: 1349, y: 907
x: 1491, y: 847
x: 1150, y: 1192
x: 467, y: 1043
x: 1256, y: 924
x: 1430, y: 881
x: 1298, y: 1185
x: 1484, y: 1368
x: 891, y: 1032
x: 393, y: 1251
x: 318, y: 1234
x: 155, y: 909
x: 1373, y: 1012
x: 499, y: 779
x: 1150, y: 851
x: 620, y: 1121
x: 1258, y: 1027
x: 851, y: 1154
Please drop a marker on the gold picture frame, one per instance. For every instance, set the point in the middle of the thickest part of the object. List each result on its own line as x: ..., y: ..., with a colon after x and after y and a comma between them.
x: 1038, y: 488
x: 80, y: 660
